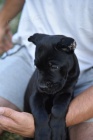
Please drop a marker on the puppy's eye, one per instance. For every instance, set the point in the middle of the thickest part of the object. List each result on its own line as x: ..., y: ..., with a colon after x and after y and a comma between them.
x: 53, y: 66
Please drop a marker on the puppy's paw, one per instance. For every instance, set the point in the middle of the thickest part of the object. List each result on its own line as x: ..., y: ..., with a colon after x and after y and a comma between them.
x: 43, y: 133
x: 58, y: 129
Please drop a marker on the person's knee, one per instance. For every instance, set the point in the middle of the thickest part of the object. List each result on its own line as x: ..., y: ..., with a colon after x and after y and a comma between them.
x: 83, y: 131
x: 6, y: 103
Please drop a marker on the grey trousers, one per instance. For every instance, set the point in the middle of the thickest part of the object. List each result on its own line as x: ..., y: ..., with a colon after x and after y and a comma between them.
x: 15, y: 72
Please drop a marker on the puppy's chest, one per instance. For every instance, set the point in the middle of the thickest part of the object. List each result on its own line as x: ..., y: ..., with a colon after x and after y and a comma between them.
x: 49, y: 104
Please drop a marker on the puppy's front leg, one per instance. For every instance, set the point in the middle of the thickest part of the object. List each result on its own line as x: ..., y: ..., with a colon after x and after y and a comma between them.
x: 42, y: 130
x: 59, y: 110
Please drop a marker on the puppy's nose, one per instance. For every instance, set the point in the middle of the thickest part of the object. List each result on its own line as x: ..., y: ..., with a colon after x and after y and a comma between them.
x: 49, y: 84
x: 42, y: 86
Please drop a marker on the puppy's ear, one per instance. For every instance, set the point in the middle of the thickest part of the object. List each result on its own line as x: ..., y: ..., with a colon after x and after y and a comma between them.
x: 66, y: 44
x: 36, y: 38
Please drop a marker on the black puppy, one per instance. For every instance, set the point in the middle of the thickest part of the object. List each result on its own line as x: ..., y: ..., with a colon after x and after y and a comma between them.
x: 50, y: 89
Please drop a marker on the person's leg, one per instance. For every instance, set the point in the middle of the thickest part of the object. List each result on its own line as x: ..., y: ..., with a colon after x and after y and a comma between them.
x: 15, y: 72
x: 84, y: 130
x: 6, y: 103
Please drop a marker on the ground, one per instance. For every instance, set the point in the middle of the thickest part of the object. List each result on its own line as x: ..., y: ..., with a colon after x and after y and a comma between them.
x: 10, y: 136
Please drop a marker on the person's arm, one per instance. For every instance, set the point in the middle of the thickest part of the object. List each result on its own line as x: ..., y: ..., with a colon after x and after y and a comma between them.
x: 10, y: 9
x: 81, y: 108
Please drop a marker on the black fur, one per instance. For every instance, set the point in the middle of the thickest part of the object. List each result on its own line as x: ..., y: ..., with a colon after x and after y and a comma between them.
x: 50, y: 89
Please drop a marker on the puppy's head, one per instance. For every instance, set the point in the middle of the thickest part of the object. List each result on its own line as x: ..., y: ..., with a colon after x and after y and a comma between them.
x: 54, y: 60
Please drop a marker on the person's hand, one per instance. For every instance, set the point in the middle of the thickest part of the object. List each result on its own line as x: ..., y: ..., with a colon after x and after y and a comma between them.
x: 20, y: 123
x: 5, y: 39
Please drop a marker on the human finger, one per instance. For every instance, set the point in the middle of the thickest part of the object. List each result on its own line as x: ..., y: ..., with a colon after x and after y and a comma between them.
x: 9, y: 125
x: 8, y: 112
x: 9, y: 34
x: 6, y: 44
x: 21, y: 123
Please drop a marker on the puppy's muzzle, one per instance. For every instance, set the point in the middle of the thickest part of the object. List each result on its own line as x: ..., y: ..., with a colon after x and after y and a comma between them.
x: 46, y: 85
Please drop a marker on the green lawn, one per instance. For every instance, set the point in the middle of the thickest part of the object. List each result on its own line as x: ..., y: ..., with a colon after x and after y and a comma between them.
x: 13, y: 26
x: 9, y: 136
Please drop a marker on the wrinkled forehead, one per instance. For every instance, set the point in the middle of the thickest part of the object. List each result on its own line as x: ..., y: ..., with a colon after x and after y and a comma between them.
x: 43, y: 51
x: 48, y: 41
x: 46, y: 45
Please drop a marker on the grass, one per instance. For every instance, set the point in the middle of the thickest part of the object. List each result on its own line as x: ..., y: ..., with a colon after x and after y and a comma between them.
x: 10, y: 136
x: 13, y: 26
